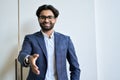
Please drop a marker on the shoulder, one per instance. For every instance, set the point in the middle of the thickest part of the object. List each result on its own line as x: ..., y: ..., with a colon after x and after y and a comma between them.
x: 61, y: 35
x: 33, y: 35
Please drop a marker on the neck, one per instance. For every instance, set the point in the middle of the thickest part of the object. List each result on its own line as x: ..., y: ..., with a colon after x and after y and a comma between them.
x: 48, y: 32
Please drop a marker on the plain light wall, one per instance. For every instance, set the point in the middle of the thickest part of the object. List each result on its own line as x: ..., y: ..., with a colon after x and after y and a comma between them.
x: 107, y: 20
x: 8, y: 38
x: 76, y: 20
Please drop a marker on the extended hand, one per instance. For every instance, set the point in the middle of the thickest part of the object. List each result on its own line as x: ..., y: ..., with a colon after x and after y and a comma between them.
x: 32, y: 61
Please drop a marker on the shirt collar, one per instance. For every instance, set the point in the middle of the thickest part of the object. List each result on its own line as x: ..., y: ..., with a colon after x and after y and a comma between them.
x: 45, y: 35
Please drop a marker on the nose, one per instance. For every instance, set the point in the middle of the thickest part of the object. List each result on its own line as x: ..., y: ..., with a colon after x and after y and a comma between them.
x: 46, y: 19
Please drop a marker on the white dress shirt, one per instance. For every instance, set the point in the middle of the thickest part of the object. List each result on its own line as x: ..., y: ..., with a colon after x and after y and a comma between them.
x: 51, y: 68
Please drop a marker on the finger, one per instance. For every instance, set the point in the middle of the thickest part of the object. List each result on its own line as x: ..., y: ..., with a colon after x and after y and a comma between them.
x: 36, y: 70
x: 33, y: 58
x: 34, y: 66
x: 35, y: 55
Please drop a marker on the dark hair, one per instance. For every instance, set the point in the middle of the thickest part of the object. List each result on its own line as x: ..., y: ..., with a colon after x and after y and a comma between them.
x: 47, y: 7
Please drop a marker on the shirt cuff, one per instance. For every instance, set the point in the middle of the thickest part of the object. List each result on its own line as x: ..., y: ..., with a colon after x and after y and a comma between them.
x: 26, y: 61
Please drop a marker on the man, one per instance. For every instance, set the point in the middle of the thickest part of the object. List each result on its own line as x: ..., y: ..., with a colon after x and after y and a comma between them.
x: 46, y: 51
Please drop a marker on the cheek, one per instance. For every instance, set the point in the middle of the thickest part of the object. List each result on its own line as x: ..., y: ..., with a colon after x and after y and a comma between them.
x: 40, y: 21
x: 54, y: 21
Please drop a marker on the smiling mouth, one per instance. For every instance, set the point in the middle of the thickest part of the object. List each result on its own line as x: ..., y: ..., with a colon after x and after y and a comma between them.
x: 47, y: 25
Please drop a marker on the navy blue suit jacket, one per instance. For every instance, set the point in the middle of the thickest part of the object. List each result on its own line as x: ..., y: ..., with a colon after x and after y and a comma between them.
x: 64, y: 49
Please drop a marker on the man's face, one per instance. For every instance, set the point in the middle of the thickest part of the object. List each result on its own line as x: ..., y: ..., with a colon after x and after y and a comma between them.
x: 46, y: 20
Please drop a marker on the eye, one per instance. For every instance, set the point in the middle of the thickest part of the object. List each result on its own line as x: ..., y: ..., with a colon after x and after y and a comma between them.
x: 42, y: 17
x: 51, y: 17
x: 47, y: 17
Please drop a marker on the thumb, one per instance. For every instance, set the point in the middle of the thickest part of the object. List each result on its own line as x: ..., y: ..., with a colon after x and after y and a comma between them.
x: 33, y: 58
x: 35, y: 55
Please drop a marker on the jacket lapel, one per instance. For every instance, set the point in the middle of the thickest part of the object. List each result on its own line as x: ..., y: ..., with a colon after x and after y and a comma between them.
x: 58, y: 56
x: 40, y: 39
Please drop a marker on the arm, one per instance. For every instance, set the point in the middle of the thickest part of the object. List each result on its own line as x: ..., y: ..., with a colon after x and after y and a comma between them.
x: 73, y: 61
x: 26, y: 58
x: 25, y: 51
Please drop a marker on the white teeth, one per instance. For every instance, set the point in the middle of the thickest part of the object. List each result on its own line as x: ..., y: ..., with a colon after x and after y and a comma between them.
x: 47, y: 24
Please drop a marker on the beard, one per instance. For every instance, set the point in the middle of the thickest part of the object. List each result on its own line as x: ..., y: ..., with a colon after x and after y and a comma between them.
x: 46, y: 28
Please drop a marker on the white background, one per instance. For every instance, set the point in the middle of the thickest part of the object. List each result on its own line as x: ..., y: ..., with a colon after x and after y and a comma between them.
x: 92, y: 24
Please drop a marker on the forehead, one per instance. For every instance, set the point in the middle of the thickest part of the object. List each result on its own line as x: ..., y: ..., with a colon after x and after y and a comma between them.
x: 46, y: 12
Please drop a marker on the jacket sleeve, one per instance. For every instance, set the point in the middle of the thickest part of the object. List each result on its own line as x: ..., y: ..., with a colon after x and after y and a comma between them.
x: 25, y: 51
x: 73, y: 61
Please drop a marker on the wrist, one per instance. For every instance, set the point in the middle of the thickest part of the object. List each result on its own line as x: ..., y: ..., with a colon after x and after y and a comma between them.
x: 27, y: 59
